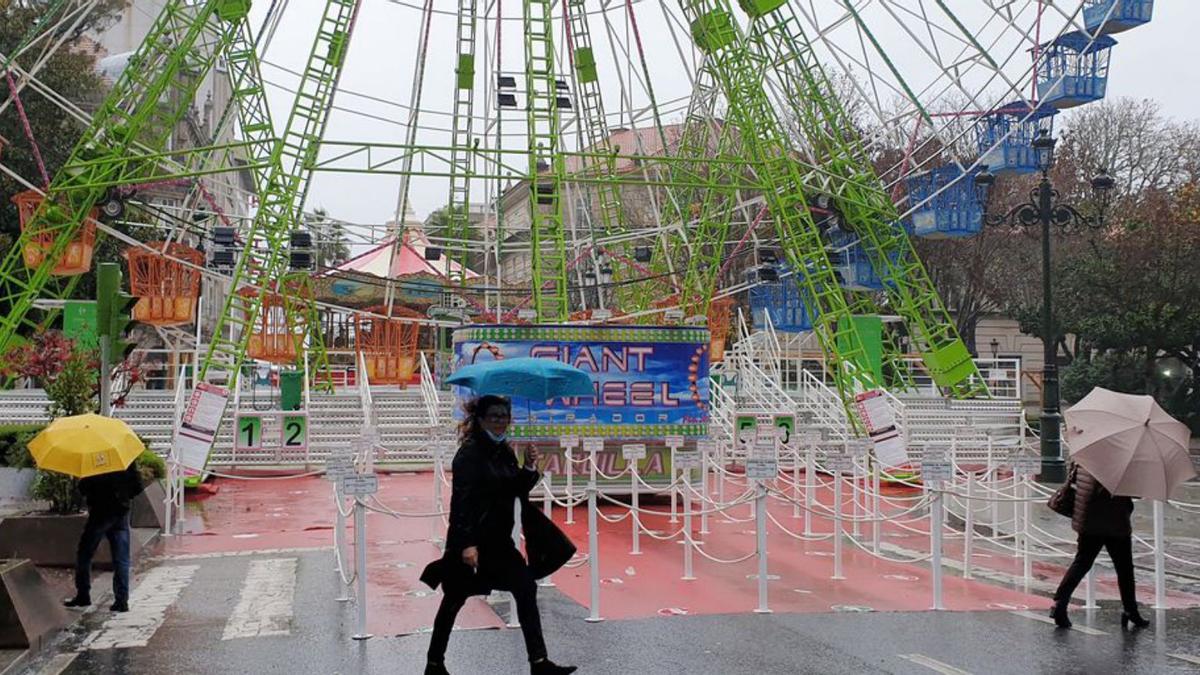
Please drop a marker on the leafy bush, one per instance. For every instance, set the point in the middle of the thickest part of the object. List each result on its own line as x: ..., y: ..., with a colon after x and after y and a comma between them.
x: 14, y: 444
x: 61, y: 490
x: 151, y: 467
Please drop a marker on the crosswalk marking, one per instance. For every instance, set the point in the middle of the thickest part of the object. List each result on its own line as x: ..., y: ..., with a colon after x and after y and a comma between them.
x: 1086, y: 630
x: 1186, y: 657
x: 934, y: 664
x: 148, y: 605
x: 239, y: 554
x: 265, y: 603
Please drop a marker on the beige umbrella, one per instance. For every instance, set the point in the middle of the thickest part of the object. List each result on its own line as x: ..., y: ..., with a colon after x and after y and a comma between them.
x: 1130, y: 444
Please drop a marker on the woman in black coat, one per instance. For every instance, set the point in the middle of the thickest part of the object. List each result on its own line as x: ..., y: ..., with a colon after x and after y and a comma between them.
x: 480, y: 554
x: 1102, y: 521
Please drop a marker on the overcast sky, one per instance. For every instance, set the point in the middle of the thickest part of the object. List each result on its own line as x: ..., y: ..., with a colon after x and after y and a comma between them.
x: 1156, y: 61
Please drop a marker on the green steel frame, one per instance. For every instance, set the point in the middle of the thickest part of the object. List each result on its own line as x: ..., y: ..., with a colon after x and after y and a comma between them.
x: 264, y: 260
x: 845, y: 173
x: 740, y: 75
x: 463, y: 139
x: 546, y: 168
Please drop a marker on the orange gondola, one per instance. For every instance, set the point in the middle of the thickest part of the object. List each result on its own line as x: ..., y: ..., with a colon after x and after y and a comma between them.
x: 76, y: 258
x: 388, y: 345
x: 167, y: 289
x: 273, y: 336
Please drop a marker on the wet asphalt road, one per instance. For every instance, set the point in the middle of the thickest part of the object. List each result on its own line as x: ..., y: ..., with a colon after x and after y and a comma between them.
x: 318, y: 640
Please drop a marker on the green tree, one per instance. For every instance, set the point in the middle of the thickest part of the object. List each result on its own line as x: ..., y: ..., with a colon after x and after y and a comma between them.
x: 1133, y: 297
x: 329, y: 237
x: 71, y: 72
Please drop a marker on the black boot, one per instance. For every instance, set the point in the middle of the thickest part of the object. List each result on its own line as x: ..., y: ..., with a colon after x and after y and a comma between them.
x: 432, y: 668
x: 548, y: 667
x: 78, y: 602
x: 1059, y: 613
x: 119, y: 606
x: 1133, y: 617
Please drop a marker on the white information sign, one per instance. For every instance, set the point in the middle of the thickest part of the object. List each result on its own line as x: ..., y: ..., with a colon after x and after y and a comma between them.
x: 762, y: 461
x: 675, y: 441
x: 858, y: 447
x: 706, y: 446
x: 198, y: 428
x: 601, y: 314
x: 839, y: 461
x: 338, y: 467
x: 569, y: 442
x: 873, y: 410
x: 527, y: 314
x: 593, y: 444
x: 935, y: 464
x: 890, y: 449
x: 687, y: 459
x: 633, y: 451
x: 360, y: 484
x: 1025, y: 464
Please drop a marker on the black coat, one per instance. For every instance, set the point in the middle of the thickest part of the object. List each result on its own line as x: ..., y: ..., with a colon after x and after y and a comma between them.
x: 486, y: 481
x: 110, y: 494
x: 1097, y: 511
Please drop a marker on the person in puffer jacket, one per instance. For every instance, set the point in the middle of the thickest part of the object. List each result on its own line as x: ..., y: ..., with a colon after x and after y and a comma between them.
x: 1102, y: 520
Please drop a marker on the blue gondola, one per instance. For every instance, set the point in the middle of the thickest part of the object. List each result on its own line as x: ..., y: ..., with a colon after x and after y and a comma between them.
x: 953, y: 212
x: 781, y: 301
x: 1125, y: 14
x: 1005, y: 137
x: 1073, y: 69
x: 851, y: 263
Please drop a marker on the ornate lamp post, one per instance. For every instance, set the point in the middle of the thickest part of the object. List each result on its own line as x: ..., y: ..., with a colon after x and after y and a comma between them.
x: 1045, y: 209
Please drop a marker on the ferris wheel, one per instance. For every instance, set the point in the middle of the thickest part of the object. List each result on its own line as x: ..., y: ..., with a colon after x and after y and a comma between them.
x: 613, y: 155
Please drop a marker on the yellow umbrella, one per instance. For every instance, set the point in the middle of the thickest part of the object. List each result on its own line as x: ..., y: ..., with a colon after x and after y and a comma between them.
x: 85, y: 445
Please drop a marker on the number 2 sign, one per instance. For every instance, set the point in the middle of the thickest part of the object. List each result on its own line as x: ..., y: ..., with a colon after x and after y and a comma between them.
x: 294, y: 432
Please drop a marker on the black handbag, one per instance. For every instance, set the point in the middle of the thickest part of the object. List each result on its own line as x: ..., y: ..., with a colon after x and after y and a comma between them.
x: 1062, y: 501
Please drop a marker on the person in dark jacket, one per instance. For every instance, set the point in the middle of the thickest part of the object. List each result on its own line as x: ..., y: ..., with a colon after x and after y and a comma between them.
x: 480, y: 554
x: 1102, y: 521
x: 109, y: 497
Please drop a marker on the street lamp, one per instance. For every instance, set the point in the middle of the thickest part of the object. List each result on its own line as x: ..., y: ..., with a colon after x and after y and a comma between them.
x: 995, y: 345
x: 1044, y: 209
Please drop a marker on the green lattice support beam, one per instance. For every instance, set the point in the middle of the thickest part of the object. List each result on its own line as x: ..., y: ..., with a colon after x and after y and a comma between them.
x: 739, y: 73
x: 846, y: 174
x: 546, y: 166
x: 458, y: 204
x: 264, y: 260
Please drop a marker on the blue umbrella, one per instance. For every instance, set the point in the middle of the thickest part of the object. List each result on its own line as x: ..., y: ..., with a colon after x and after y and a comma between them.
x: 536, y: 379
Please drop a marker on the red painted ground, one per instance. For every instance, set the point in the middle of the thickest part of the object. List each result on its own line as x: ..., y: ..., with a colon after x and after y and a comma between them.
x: 299, y: 513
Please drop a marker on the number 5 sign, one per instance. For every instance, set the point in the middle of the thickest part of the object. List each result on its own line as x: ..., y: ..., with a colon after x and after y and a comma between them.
x: 294, y: 432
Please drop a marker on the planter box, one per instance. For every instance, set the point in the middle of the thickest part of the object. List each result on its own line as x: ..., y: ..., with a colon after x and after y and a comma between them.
x: 51, y: 540
x: 30, y: 614
x: 15, y: 485
x: 148, y: 509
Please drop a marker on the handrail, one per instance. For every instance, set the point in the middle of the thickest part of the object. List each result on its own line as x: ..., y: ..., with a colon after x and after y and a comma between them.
x: 899, y: 413
x: 824, y: 404
x: 722, y: 408
x: 364, y: 393
x: 429, y: 394
x: 773, y: 351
